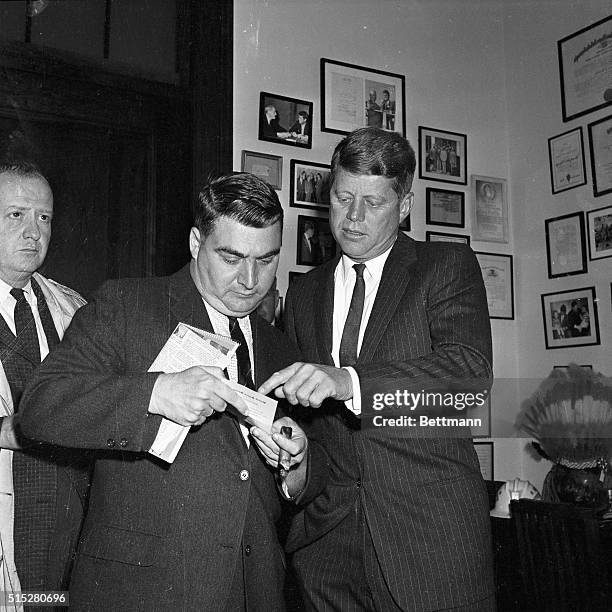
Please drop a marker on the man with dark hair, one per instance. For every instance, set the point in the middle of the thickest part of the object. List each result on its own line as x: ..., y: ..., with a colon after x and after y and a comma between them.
x: 198, y: 534
x: 403, y: 522
x: 300, y: 130
x: 39, y: 499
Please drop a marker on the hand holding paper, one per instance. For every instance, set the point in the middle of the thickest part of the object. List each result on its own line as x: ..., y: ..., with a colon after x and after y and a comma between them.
x: 270, y: 444
x: 191, y: 396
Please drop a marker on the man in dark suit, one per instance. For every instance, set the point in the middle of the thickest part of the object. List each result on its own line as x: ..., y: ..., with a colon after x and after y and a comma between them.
x: 42, y: 489
x: 198, y: 534
x: 403, y: 523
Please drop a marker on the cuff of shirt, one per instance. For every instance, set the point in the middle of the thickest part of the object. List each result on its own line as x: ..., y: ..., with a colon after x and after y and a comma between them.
x: 354, y: 404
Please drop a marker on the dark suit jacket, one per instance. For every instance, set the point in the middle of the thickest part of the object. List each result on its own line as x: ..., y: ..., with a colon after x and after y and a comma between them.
x: 157, y: 536
x: 423, y: 496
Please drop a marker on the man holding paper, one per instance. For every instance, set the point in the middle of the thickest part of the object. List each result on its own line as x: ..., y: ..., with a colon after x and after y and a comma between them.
x: 197, y: 533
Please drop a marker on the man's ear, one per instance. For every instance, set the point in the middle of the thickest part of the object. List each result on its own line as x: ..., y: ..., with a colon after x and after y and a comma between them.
x: 406, y: 206
x: 194, y: 242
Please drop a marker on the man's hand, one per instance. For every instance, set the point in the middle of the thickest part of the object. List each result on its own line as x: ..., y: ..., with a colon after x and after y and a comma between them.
x: 190, y: 397
x: 309, y: 384
x: 269, y: 445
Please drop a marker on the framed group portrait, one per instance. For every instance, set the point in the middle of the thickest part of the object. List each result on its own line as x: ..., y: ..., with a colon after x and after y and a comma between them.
x: 309, y: 185
x: 268, y: 168
x: 600, y: 232
x: 442, y: 156
x: 570, y: 318
x: 566, y: 245
x: 315, y: 242
x: 566, y: 158
x: 285, y: 120
x: 584, y: 69
x: 489, y: 209
x: 444, y: 207
x: 354, y: 96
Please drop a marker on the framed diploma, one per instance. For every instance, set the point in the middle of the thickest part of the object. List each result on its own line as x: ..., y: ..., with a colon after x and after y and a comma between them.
x: 353, y: 97
x: 585, y: 69
x: 566, y: 245
x: 566, y: 157
x: 600, y: 145
x: 497, y: 276
x: 489, y: 209
x: 444, y: 207
x: 269, y: 168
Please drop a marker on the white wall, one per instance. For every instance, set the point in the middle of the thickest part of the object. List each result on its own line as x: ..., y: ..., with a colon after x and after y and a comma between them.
x: 483, y: 68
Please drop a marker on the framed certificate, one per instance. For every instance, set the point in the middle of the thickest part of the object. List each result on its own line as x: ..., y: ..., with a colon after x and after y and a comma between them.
x: 566, y: 245
x: 497, y: 276
x: 566, y: 157
x: 600, y: 144
x: 489, y: 209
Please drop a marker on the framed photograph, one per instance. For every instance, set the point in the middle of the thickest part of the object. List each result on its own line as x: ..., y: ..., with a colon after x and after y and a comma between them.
x: 498, y: 279
x: 566, y: 158
x: 353, y: 97
x: 584, y: 69
x: 489, y: 209
x: 442, y: 156
x: 484, y: 452
x: 285, y: 120
x: 444, y: 237
x: 315, y: 242
x: 309, y: 185
x: 444, y: 207
x: 570, y: 318
x: 600, y: 145
x: 268, y: 168
x: 600, y: 232
x: 566, y: 245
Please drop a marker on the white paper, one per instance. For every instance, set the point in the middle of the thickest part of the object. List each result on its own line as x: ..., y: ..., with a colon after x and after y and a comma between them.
x: 261, y: 407
x: 186, y: 347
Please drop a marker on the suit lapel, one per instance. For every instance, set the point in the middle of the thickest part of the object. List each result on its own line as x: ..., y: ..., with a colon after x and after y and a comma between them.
x: 393, y: 284
x: 324, y: 315
x: 185, y: 302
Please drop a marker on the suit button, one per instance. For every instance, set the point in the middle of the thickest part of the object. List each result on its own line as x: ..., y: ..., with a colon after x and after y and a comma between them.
x: 358, y: 483
x: 244, y: 475
x: 247, y: 549
x: 110, y: 443
x: 123, y: 442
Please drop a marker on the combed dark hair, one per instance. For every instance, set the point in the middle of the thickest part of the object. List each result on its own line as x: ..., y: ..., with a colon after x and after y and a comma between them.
x: 20, y: 168
x: 374, y: 151
x: 242, y: 197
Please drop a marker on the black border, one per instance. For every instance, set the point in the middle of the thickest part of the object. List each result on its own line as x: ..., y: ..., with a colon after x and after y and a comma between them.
x: 401, y: 77
x: 550, y: 161
x: 547, y: 223
x: 594, y: 318
x: 262, y: 105
x: 428, y: 234
x: 560, y: 42
x: 428, y: 220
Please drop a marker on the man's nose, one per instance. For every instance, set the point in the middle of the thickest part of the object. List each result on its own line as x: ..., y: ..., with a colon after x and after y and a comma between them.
x: 248, y: 274
x: 356, y: 211
x: 31, y: 229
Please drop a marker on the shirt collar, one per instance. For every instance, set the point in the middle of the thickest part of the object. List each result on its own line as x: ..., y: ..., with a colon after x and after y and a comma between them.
x: 374, y: 267
x: 5, y: 290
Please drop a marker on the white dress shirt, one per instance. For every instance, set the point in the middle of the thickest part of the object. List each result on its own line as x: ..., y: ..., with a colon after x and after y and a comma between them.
x: 344, y: 283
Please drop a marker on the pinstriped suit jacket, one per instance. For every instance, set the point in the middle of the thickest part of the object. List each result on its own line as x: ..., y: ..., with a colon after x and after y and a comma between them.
x: 423, y: 496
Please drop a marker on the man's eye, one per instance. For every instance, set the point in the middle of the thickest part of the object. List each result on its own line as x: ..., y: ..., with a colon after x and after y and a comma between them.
x: 230, y: 261
x: 15, y: 214
x: 266, y: 261
x: 45, y: 218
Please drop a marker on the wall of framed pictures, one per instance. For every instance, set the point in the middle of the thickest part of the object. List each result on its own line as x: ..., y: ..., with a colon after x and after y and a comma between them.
x: 497, y: 159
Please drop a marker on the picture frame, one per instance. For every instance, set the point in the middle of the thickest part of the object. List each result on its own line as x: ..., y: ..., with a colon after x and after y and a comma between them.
x: 442, y: 156
x: 315, y: 242
x: 570, y: 318
x: 405, y: 225
x: 489, y: 209
x: 446, y: 237
x: 600, y: 233
x: 268, y: 168
x: 498, y: 277
x: 293, y: 274
x: 485, y: 454
x: 308, y: 191
x: 566, y: 245
x: 444, y: 207
x: 600, y: 146
x: 584, y: 57
x: 564, y: 367
x: 285, y: 120
x: 347, y: 102
x: 566, y: 160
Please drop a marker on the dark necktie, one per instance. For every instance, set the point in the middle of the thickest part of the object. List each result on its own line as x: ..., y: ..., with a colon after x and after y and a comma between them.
x: 25, y: 326
x: 242, y: 354
x: 350, y: 334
